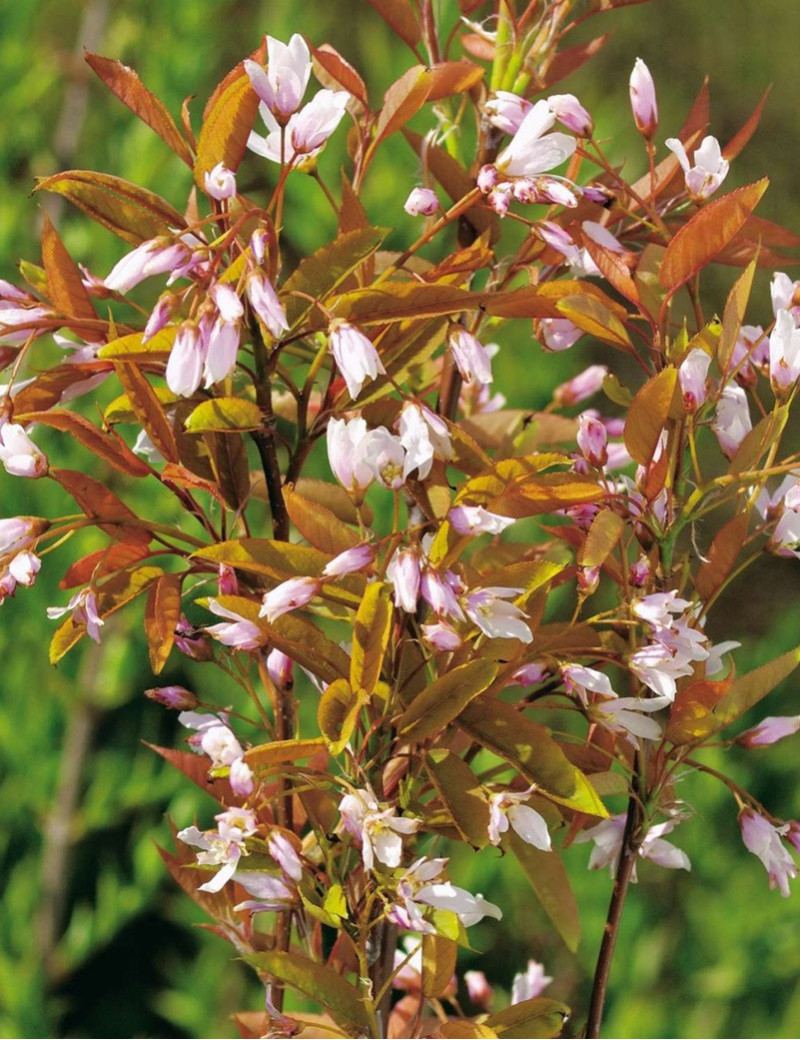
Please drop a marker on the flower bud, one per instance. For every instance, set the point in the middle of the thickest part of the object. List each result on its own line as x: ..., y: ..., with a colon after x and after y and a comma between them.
x: 643, y: 100
x: 177, y: 697
x: 571, y: 113
x: 478, y: 989
x: 421, y: 202
x: 279, y: 667
x: 693, y: 376
x: 584, y: 385
x: 770, y: 730
x: 487, y: 178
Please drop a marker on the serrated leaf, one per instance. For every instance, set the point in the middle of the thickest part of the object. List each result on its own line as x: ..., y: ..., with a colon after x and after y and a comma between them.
x: 534, y: 1019
x: 342, y: 1001
x: 146, y: 405
x: 125, y: 83
x: 65, y: 286
x: 444, y: 699
x: 318, y: 525
x: 648, y: 415
x: 224, y: 415
x: 550, y: 881
x: 371, y: 629
x: 462, y: 793
x: 226, y: 127
x: 161, y: 616
x: 707, y: 233
x: 590, y: 315
x: 337, y: 714
x: 133, y: 213
x: 131, y: 346
x: 529, y: 748
x: 604, y: 533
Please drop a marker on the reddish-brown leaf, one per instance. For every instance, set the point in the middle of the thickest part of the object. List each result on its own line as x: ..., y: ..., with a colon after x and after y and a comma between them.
x: 402, y: 100
x: 195, y: 768
x: 401, y: 16
x: 180, y: 476
x: 46, y: 390
x: 101, y: 505
x: 103, y: 562
x: 740, y: 139
x: 699, y: 115
x: 707, y: 233
x: 64, y: 284
x: 340, y: 72
x: 107, y: 446
x: 125, y: 83
x: 572, y: 58
x: 162, y: 611
x: 453, y: 77
x: 147, y: 408
x: 648, y: 415
x: 226, y: 127
x: 258, y: 55
x: 133, y: 213
x: 722, y: 556
x: 613, y: 268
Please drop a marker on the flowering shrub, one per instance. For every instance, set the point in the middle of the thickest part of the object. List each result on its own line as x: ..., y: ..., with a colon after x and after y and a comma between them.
x: 452, y: 701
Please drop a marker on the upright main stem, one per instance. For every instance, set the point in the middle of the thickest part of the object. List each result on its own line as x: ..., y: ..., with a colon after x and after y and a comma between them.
x: 631, y: 842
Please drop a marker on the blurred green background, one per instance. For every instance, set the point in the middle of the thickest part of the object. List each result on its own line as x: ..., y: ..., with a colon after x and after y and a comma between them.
x: 95, y: 940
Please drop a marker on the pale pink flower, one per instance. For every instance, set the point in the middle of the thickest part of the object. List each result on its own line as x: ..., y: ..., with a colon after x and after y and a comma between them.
x: 624, y: 715
x: 83, y: 607
x: 584, y: 385
x: 18, y: 532
x: 350, y: 561
x: 784, y: 353
x: 220, y: 183
x: 192, y: 642
x: 506, y: 111
x: 424, y: 435
x: 592, y: 439
x: 750, y: 351
x: 305, y: 133
x: 643, y: 100
x: 156, y: 256
x: 421, y: 202
x: 764, y: 841
x: 785, y: 295
x: 607, y: 837
x: 24, y: 567
x: 241, y: 779
x: 439, y: 594
x: 581, y: 680
x: 441, y: 636
x: 470, y: 355
x: 532, y: 150
x: 376, y: 826
x: 487, y: 178
x: 186, y: 361
x: 285, y: 855
x: 386, y: 456
x: 600, y: 235
x: 356, y: 356
x: 279, y: 668
x: 221, y: 351
x: 272, y: 893
x: 709, y: 169
x: 557, y: 334
x: 659, y: 608
x: 770, y: 731
x: 479, y: 991
x: 237, y: 632
x: 404, y: 574
x: 17, y: 323
x: 227, y: 302
x: 159, y: 317
x: 475, y: 520
x: 264, y: 301
x: 223, y: 847
x: 18, y: 453
x: 507, y: 808
x: 289, y: 595
x: 732, y: 421
x: 555, y: 189
x: 569, y: 111
x: 529, y: 984
x: 530, y: 674
x: 418, y: 889
x: 282, y: 86
x: 175, y: 697
x: 693, y: 376
x: 347, y: 443
x: 495, y: 617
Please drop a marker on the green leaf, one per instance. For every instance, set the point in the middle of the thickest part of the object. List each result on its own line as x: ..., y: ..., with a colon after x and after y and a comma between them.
x: 733, y: 316
x: 342, y: 1001
x: 462, y: 793
x: 132, y: 347
x: 532, y: 751
x: 532, y: 1019
x: 224, y: 415
x: 371, y: 631
x: 438, y: 964
x: 133, y: 213
x: 278, y: 752
x: 275, y: 559
x: 337, y: 714
x: 707, y: 233
x: 550, y: 881
x: 446, y: 696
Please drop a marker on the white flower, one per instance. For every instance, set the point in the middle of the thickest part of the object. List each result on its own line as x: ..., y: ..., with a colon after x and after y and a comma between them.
x: 530, y: 983
x: 418, y: 888
x: 282, y: 86
x: 506, y: 808
x: 220, y: 183
x: 378, y: 829
x: 474, y: 520
x: 607, y: 837
x: 709, y: 170
x: 223, y: 847
x: 532, y: 150
x: 83, y: 607
x: 355, y: 355
x: 495, y: 617
x: 19, y: 454
x: 732, y: 422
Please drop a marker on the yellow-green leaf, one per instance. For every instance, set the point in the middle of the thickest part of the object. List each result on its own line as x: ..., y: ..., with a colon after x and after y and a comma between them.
x: 132, y: 347
x: 370, y: 637
x: 278, y: 752
x: 550, y: 881
x: 343, y: 1002
x: 225, y: 415
x: 535, y: 1019
x: 759, y: 440
x: 733, y: 316
x: 337, y: 714
x: 602, y: 536
x: 161, y: 616
x: 462, y: 793
x: 446, y: 696
x: 319, y: 525
x: 648, y: 415
x: 275, y: 559
x: 590, y: 315
x: 438, y: 964
x: 226, y: 127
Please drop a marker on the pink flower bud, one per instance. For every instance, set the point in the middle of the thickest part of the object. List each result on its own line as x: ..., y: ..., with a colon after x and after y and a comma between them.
x: 422, y: 202
x: 19, y: 532
x: 191, y: 642
x: 584, y: 385
x: 311, y: 127
x: 558, y: 190
x: 159, y: 317
x: 404, y: 573
x: 478, y: 989
x: 220, y: 183
x: 588, y: 580
x: 186, y: 360
x: 279, y: 667
x: 643, y: 100
x: 764, y: 841
x: 289, y: 595
x: 592, y: 439
x: 639, y: 572
x: 569, y: 111
x: 356, y: 356
x: 732, y: 422
x: 264, y: 301
x: 487, y: 178
x: 693, y: 376
x: 227, y: 582
x: 784, y: 353
x: 770, y: 730
x: 350, y: 561
x: 258, y: 245
x: 19, y: 454
x: 24, y: 567
x: 558, y: 334
x: 177, y: 697
x: 470, y: 355
x: 240, y: 777
x: 499, y: 198
x: 506, y: 111
x: 441, y: 636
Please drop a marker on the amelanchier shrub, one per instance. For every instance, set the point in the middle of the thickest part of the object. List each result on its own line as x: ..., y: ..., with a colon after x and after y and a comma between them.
x: 413, y: 673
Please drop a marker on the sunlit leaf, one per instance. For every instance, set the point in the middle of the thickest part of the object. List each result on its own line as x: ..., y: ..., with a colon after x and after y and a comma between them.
x: 648, y: 414
x: 337, y: 713
x: 318, y: 525
x: 226, y: 127
x: 162, y: 613
x: 279, y: 752
x: 438, y: 964
x: 103, y: 445
x: 531, y: 1019
x: 146, y: 405
x: 371, y: 631
x: 733, y: 316
x: 462, y: 793
x: 131, y: 346
x: 225, y: 415
x: 444, y: 699
x: 602, y: 536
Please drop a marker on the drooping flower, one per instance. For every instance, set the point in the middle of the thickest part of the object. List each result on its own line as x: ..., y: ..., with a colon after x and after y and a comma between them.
x: 764, y: 841
x: 421, y: 202
x: 186, y: 360
x: 506, y: 111
x: 83, y: 607
x: 495, y: 617
x: 424, y: 435
x: 404, y: 574
x: 693, y: 376
x: 386, y: 456
x: 608, y: 835
x: 237, y: 631
x: 581, y: 680
x: 264, y: 301
x: 478, y: 989
x: 418, y: 889
x: 19, y: 455
x: 529, y: 984
x: 558, y: 334
x: 770, y: 730
x: 470, y: 355
x: 175, y: 697
x: 347, y: 443
x: 350, y: 561
x: 155, y: 256
x: 569, y: 111
x: 508, y: 808
x: 709, y: 170
x: 592, y: 439
x: 474, y: 520
x: 643, y: 99
x: 784, y: 353
x: 356, y: 356
x: 785, y: 295
x: 289, y: 595
x: 377, y: 827
x: 732, y: 421
x: 584, y: 385
x: 533, y: 150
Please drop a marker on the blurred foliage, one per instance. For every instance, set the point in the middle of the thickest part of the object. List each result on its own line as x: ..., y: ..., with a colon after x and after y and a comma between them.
x: 95, y: 938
